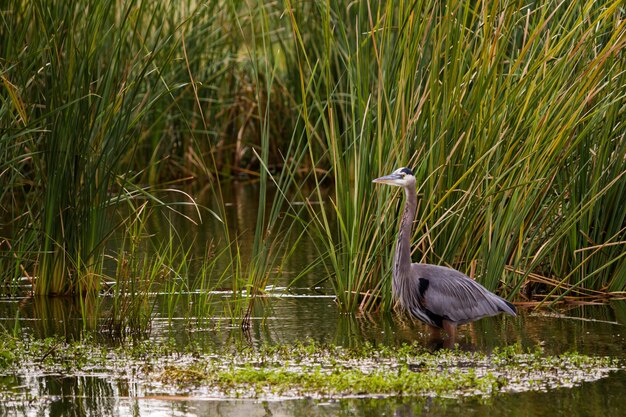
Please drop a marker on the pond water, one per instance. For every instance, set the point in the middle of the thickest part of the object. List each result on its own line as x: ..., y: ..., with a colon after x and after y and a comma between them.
x: 299, y: 315
x: 289, y: 315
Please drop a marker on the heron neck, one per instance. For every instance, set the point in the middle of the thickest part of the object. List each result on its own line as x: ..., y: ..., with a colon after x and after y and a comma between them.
x: 402, y: 257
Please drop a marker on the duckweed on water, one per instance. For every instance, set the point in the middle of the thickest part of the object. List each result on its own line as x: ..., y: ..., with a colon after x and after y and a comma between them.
x: 302, y: 369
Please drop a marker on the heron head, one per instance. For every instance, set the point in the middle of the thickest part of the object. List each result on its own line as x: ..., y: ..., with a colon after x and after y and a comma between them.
x: 402, y: 177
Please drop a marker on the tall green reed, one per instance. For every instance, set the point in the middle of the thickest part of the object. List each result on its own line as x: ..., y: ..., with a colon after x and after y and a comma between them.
x: 501, y: 109
x: 133, y: 94
x: 510, y: 114
x: 91, y: 87
x: 76, y: 132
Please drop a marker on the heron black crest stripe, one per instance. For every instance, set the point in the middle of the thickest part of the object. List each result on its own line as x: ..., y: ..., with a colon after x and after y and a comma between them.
x: 407, y: 171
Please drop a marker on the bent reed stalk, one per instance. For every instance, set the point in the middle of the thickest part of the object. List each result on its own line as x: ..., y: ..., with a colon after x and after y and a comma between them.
x: 511, y: 115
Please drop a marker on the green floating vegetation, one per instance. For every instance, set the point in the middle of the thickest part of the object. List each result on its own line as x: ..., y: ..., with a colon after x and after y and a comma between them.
x: 304, y: 369
x: 313, y: 370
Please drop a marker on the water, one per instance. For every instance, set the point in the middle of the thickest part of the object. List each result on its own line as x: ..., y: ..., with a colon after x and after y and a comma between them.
x: 301, y: 314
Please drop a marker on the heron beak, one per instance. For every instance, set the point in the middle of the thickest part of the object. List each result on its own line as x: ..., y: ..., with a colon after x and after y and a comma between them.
x: 388, y: 179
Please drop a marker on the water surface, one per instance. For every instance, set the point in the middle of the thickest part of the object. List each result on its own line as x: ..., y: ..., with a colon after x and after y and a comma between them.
x: 299, y: 314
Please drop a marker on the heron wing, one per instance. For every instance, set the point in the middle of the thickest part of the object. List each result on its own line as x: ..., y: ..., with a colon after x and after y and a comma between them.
x: 454, y: 296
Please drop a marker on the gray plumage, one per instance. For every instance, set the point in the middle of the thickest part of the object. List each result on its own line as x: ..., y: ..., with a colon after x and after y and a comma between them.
x: 439, y: 296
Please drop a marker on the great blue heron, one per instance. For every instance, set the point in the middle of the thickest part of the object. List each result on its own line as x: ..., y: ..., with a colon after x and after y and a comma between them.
x: 439, y: 296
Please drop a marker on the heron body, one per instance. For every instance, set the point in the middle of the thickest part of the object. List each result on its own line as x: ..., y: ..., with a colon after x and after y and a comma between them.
x: 436, y: 295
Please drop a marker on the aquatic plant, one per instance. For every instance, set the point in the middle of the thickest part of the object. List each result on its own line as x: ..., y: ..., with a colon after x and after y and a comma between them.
x: 510, y: 113
x: 304, y: 369
x: 77, y: 103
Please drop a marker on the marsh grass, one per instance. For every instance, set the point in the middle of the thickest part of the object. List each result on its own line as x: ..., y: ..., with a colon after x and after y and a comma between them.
x: 81, y: 117
x: 511, y: 115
